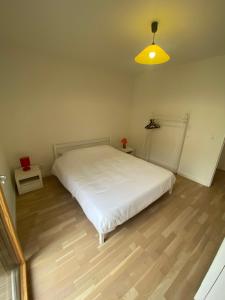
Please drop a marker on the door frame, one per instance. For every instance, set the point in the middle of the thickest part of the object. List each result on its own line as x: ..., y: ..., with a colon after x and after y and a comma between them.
x: 11, y: 233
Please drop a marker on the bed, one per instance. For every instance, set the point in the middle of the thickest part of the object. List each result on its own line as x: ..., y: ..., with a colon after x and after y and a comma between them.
x: 110, y: 185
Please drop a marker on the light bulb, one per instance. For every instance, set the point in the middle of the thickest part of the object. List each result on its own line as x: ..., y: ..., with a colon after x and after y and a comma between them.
x: 152, y: 54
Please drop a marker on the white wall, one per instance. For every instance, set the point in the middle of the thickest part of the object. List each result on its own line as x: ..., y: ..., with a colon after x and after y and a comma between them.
x: 8, y: 187
x: 47, y: 102
x: 221, y: 164
x: 196, y: 88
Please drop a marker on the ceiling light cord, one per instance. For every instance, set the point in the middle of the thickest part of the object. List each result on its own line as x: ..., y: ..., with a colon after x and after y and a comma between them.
x: 154, y: 27
x: 153, y: 39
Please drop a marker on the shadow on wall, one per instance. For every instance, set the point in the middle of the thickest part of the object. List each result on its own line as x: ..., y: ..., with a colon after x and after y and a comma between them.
x: 221, y: 164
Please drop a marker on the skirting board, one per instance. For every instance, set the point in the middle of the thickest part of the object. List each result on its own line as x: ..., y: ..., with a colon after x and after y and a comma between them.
x: 195, y: 179
x: 183, y: 174
x: 163, y: 165
x: 47, y: 172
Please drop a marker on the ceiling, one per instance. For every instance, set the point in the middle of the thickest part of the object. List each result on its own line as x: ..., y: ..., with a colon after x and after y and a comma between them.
x: 109, y: 33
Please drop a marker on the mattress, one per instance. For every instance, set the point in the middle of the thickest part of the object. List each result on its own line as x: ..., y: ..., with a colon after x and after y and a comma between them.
x: 111, y: 186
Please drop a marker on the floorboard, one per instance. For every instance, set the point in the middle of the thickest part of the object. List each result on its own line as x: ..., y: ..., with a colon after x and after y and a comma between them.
x: 162, y: 253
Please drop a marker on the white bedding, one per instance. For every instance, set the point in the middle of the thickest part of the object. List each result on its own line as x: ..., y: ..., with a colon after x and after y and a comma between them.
x: 111, y: 186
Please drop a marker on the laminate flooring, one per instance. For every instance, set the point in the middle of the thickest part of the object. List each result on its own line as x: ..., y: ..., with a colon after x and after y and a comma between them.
x: 162, y: 253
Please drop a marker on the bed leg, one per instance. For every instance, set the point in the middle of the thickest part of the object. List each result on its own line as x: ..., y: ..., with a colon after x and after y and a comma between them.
x: 101, y: 238
x: 171, y: 190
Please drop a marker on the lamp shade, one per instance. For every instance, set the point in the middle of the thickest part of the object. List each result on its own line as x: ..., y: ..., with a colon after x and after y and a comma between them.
x: 152, y: 55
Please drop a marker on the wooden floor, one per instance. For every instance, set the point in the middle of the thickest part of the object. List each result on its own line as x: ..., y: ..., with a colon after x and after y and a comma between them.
x: 162, y: 253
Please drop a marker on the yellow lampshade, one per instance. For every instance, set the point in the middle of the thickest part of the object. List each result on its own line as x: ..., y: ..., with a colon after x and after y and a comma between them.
x: 152, y: 55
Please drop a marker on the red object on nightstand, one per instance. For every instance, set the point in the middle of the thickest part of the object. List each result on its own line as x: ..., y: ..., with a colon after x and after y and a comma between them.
x: 25, y: 163
x: 124, y: 142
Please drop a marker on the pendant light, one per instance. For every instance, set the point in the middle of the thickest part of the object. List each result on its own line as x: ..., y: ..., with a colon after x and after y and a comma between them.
x: 152, y: 54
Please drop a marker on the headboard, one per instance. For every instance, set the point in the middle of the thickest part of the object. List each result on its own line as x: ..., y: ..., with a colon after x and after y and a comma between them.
x: 61, y: 148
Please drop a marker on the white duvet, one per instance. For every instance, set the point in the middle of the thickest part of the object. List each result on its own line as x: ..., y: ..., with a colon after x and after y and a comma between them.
x: 111, y: 186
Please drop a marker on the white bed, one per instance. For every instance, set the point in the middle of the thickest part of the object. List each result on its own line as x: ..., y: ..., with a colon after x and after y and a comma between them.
x: 110, y: 186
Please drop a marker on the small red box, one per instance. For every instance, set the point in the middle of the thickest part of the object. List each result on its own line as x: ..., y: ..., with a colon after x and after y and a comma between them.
x: 25, y: 163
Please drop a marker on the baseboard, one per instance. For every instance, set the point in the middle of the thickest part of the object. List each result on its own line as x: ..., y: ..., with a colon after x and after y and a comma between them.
x: 47, y: 172
x: 193, y: 178
x: 155, y: 162
x: 163, y: 165
x: 221, y: 169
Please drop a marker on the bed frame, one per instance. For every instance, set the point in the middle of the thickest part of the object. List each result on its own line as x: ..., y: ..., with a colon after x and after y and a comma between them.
x: 61, y: 148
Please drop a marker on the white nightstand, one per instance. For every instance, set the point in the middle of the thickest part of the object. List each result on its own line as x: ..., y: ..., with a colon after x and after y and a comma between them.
x: 127, y: 150
x: 28, y: 181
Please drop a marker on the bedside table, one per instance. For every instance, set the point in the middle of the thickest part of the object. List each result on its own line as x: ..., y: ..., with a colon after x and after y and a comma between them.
x: 28, y: 181
x: 127, y: 150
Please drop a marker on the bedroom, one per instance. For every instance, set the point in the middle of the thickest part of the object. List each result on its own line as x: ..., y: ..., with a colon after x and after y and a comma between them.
x: 68, y: 75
